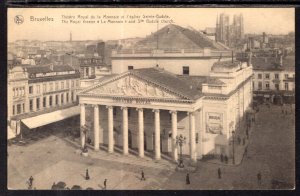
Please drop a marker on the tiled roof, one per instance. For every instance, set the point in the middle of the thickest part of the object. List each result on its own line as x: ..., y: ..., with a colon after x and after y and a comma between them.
x: 47, y: 69
x: 272, y: 63
x: 169, y: 81
x: 176, y: 37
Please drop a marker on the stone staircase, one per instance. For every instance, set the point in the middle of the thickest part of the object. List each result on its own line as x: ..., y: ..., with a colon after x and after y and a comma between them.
x: 131, y: 159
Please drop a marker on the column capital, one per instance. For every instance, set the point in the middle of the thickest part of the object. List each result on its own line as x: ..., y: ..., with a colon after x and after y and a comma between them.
x: 82, y: 104
x: 173, y: 112
x: 155, y: 110
x: 109, y: 107
x: 139, y: 109
x: 95, y: 105
x: 124, y: 108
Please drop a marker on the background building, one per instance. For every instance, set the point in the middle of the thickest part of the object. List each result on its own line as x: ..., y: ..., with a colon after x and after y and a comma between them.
x: 36, y: 90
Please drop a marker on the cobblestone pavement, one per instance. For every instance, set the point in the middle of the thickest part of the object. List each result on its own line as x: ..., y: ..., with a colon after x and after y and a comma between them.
x: 50, y: 158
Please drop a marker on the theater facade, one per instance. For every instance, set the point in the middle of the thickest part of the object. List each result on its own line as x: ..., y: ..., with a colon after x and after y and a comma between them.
x: 146, y: 109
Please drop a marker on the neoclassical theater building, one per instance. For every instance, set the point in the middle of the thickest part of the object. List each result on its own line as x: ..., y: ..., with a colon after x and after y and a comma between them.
x: 144, y: 108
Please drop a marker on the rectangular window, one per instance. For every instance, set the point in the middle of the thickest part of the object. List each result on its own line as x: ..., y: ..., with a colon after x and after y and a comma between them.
x: 23, y: 107
x: 259, y: 76
x: 50, y: 101
x: 62, y: 85
x: 276, y: 76
x: 72, y: 96
x: 14, y: 92
x: 14, y: 110
x: 267, y: 85
x: 259, y: 85
x: 286, y: 86
x: 30, y: 105
x: 44, y: 87
x: 56, y: 99
x: 267, y: 76
x: 253, y: 85
x: 129, y: 112
x: 62, y: 98
x: 19, y: 109
x: 185, y: 70
x: 286, y: 76
x: 37, y: 103
x: 130, y: 67
x: 30, y: 89
x: 44, y: 102
x: 67, y: 97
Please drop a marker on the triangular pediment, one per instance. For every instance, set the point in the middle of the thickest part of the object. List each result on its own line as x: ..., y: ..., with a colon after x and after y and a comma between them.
x: 130, y: 85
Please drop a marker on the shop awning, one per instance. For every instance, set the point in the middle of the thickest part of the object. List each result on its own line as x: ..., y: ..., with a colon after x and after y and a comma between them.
x: 51, y: 117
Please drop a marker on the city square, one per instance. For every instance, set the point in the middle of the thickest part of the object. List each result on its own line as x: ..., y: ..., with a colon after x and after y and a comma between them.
x: 57, y: 161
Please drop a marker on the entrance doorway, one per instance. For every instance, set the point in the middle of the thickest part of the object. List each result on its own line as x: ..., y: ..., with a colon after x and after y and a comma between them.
x: 145, y: 141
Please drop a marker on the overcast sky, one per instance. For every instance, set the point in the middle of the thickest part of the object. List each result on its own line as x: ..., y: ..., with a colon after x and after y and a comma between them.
x: 256, y: 20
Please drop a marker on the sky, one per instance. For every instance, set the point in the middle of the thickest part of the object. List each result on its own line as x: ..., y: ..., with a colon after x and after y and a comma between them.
x: 256, y: 20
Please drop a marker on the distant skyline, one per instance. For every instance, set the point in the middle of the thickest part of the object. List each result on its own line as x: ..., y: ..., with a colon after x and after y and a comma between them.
x: 256, y: 21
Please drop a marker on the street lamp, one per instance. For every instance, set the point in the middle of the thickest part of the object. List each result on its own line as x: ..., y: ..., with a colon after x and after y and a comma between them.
x: 233, y: 158
x: 180, y: 140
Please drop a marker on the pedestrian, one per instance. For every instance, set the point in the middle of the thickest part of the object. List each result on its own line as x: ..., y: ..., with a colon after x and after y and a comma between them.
x: 31, y: 181
x: 53, y: 186
x: 219, y: 173
x: 259, y: 178
x: 244, y: 141
x: 104, y: 183
x: 226, y: 159
x: 87, y: 177
x: 143, y: 175
x: 187, y: 180
x: 222, y: 158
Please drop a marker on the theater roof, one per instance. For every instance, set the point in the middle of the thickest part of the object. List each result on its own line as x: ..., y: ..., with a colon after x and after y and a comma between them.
x: 176, y: 37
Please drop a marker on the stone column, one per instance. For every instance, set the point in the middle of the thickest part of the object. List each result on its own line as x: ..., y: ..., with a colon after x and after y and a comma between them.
x: 96, y: 128
x: 201, y: 132
x: 110, y: 129
x: 59, y: 99
x: 47, y: 101
x: 141, y: 132
x: 174, y: 135
x: 82, y: 123
x: 192, y: 137
x: 125, y: 130
x: 33, y: 104
x: 41, y: 103
x: 65, y: 98
x: 157, y: 134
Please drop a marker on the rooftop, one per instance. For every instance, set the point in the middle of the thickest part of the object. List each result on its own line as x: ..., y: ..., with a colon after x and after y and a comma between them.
x: 48, y: 69
x: 273, y: 63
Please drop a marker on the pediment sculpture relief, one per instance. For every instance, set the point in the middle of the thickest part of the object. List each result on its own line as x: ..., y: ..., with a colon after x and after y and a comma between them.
x: 133, y: 87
